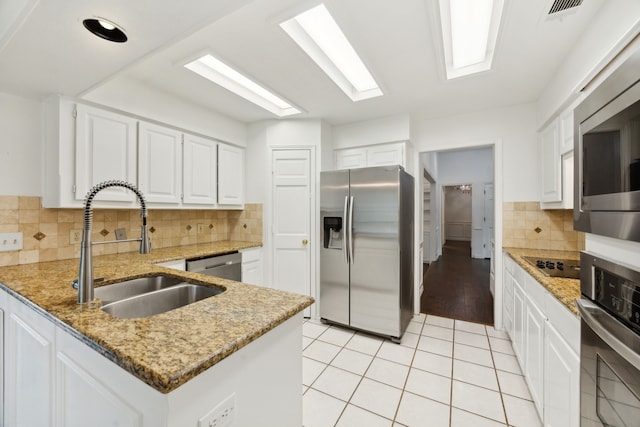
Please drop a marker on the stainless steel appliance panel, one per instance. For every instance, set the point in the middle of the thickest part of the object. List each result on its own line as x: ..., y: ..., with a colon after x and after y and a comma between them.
x: 334, y: 267
x: 375, y: 263
x: 406, y: 249
x: 225, y: 266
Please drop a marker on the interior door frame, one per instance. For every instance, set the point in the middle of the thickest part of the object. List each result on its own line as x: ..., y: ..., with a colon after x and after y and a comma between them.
x: 314, y: 232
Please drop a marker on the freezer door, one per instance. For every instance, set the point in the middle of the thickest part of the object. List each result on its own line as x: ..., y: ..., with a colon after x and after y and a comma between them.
x: 375, y: 264
x: 334, y: 270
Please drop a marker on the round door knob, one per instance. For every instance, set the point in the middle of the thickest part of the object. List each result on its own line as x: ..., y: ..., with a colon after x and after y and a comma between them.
x: 305, y: 241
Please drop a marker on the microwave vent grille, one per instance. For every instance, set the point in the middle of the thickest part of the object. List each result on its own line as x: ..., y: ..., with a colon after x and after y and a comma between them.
x: 558, y: 6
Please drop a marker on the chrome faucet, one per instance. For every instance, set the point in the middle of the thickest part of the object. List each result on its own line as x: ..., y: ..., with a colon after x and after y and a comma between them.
x: 85, y: 271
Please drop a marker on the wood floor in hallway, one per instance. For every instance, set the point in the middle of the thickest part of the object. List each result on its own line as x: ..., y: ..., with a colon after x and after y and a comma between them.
x: 457, y: 286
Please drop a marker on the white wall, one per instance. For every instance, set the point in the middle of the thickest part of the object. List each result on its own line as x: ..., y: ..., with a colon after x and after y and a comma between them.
x: 377, y: 131
x: 515, y: 126
x: 20, y: 146
x: 138, y: 98
x: 612, y: 28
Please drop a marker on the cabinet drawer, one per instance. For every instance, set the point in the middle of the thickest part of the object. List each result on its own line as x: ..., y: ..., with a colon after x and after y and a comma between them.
x: 564, y: 321
x: 250, y: 255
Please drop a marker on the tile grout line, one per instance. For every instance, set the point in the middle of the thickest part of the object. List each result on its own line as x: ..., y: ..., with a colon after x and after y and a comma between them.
x: 495, y: 371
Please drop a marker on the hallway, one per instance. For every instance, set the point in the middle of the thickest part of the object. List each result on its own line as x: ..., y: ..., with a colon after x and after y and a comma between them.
x: 457, y: 286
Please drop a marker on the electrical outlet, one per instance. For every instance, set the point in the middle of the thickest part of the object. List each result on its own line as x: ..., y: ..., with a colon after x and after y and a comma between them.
x: 200, y: 228
x: 220, y: 416
x: 121, y: 233
x: 75, y: 236
x: 10, y: 242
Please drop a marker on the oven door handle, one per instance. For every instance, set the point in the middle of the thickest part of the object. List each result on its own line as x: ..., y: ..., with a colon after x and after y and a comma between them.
x: 612, y: 333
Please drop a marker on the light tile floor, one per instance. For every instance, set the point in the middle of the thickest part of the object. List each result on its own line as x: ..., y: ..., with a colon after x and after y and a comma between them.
x: 444, y: 373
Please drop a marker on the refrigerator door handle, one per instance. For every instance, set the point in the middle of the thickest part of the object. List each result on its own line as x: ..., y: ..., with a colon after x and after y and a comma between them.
x: 350, y: 225
x: 346, y: 229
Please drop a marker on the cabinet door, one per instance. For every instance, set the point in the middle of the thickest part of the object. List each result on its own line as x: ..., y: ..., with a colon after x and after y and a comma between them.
x: 507, y: 302
x: 105, y: 150
x: 534, y: 353
x: 550, y: 165
x: 351, y: 158
x: 386, y: 154
x: 160, y: 165
x: 561, y: 382
x: 230, y: 175
x: 29, y: 367
x: 566, y: 132
x: 200, y: 170
x: 518, y: 322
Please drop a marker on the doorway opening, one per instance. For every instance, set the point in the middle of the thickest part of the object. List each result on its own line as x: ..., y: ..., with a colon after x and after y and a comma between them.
x: 456, y: 281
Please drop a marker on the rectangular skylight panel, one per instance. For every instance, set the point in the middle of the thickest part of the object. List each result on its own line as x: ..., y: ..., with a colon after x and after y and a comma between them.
x: 318, y: 34
x: 470, y: 22
x: 221, y: 74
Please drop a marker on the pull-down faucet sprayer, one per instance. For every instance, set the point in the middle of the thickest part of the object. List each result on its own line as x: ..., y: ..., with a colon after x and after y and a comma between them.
x: 85, y: 271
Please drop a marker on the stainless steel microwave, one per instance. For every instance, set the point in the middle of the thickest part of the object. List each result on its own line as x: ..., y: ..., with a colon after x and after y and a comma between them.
x: 607, y: 156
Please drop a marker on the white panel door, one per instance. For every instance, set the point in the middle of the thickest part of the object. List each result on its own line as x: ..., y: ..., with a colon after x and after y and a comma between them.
x: 29, y: 368
x: 487, y: 227
x: 160, y: 165
x: 230, y: 175
x: 550, y: 165
x: 105, y: 150
x: 292, y: 220
x: 518, y: 322
x: 200, y: 170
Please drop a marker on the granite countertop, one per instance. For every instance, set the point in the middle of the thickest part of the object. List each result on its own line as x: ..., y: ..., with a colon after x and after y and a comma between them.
x: 567, y: 291
x: 168, y: 349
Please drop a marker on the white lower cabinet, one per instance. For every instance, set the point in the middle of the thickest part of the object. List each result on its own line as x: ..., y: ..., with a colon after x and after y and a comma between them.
x: 3, y: 309
x: 545, y: 338
x: 177, y: 264
x: 561, y: 382
x: 29, y: 367
x: 252, y: 266
x: 534, y: 352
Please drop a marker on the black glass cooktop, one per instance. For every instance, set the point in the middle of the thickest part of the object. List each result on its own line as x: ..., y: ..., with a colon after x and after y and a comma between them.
x: 553, y: 267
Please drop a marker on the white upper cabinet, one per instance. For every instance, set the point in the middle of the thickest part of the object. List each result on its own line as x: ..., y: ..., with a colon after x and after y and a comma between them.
x: 160, y: 163
x: 105, y: 150
x: 550, y: 165
x: 351, y: 158
x: 395, y: 153
x: 566, y: 131
x: 199, y: 171
x: 230, y: 175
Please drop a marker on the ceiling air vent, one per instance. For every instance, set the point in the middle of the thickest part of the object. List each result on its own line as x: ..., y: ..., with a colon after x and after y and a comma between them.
x: 558, y: 6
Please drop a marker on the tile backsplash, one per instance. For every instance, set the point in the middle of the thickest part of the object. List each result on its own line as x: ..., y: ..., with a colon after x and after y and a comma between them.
x: 46, y: 232
x: 525, y: 225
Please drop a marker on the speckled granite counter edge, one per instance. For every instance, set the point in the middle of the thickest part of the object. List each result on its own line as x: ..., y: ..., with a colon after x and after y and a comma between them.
x: 567, y: 291
x: 251, y: 311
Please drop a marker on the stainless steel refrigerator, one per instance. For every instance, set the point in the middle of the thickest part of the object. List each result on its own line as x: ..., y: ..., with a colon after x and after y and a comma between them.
x: 366, y: 249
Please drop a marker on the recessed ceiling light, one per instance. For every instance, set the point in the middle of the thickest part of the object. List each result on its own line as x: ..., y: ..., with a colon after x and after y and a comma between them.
x: 221, y: 74
x: 318, y: 34
x: 469, y: 34
x: 105, y: 29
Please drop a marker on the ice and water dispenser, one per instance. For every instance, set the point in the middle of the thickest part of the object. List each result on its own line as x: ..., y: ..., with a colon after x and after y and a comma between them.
x: 332, y: 232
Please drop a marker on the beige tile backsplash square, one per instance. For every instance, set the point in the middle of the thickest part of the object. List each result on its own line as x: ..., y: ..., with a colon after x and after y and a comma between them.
x: 525, y: 225
x: 170, y: 228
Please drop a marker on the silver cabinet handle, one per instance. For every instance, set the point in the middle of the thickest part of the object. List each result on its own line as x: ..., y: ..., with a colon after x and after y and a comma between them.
x: 589, y: 313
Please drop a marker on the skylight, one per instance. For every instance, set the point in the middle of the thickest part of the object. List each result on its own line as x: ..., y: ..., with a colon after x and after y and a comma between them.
x: 221, y: 74
x: 469, y: 34
x: 317, y: 33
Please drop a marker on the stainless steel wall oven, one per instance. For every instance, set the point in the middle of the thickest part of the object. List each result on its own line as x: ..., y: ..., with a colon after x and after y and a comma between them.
x: 607, y: 156
x: 610, y: 343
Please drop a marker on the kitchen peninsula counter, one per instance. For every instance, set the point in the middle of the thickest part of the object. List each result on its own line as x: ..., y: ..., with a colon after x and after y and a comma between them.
x: 165, y: 350
x: 567, y: 291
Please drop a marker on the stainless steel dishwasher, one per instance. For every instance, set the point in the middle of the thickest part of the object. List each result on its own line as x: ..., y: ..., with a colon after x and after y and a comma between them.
x: 228, y: 266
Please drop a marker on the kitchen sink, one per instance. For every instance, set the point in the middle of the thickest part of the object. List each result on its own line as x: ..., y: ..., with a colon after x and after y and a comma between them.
x: 160, y: 301
x: 133, y: 287
x: 150, y: 295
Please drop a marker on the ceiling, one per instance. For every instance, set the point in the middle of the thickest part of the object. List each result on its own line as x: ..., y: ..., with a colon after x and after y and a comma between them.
x: 45, y: 49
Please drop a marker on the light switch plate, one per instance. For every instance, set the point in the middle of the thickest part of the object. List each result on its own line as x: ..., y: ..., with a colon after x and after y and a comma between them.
x: 10, y: 242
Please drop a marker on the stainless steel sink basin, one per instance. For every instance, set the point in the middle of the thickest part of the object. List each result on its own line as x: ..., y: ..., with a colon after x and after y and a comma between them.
x: 130, y: 288
x: 159, y: 301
